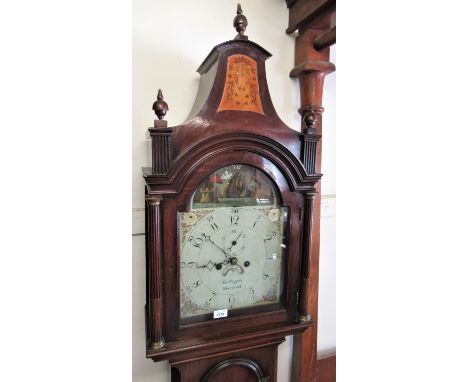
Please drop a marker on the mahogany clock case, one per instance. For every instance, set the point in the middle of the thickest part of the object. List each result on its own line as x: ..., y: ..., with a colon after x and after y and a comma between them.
x: 219, y: 132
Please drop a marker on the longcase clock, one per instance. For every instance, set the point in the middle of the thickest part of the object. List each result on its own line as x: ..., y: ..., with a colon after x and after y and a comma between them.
x: 228, y: 217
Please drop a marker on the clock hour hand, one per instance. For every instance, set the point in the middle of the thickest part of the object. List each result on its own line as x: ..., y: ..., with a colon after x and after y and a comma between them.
x: 210, y: 265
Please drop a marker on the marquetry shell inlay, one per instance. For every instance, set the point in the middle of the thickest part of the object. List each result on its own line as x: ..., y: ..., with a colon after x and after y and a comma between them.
x: 241, y: 91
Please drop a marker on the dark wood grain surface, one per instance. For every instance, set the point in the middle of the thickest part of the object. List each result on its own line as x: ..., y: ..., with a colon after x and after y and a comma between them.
x: 309, y: 12
x: 313, y: 19
x: 326, y: 368
x: 182, y: 156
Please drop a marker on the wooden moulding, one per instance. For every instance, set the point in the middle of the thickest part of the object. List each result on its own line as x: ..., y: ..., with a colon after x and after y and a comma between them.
x: 303, y: 12
x: 226, y: 143
x: 326, y: 39
x: 180, y: 352
x: 250, y: 367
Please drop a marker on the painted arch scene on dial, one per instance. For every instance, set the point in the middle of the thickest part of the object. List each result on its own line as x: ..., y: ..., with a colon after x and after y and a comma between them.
x: 232, y: 243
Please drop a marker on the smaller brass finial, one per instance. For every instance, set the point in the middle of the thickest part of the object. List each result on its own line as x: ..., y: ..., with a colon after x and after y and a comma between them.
x: 160, y: 106
x: 240, y: 23
x: 310, y: 120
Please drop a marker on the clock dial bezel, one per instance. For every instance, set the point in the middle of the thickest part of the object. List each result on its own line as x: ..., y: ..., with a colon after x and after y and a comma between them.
x: 241, y: 319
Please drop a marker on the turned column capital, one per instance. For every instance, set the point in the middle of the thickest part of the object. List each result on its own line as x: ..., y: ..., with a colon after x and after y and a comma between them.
x: 309, y: 195
x: 153, y: 200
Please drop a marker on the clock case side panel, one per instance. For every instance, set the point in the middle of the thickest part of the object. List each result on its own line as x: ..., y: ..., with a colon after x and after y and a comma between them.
x: 235, y: 323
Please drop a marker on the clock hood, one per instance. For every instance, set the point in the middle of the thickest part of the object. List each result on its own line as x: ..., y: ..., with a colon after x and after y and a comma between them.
x: 232, y: 112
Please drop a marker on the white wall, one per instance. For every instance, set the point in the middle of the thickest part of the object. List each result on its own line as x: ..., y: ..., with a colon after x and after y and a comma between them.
x: 170, y: 40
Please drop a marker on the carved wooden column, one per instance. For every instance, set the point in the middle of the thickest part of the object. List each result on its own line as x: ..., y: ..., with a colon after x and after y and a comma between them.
x: 304, y: 306
x: 309, y: 141
x: 311, y: 68
x: 155, y: 303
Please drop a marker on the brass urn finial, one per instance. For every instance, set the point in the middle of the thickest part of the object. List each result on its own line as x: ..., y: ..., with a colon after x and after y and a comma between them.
x: 240, y: 23
x: 160, y: 106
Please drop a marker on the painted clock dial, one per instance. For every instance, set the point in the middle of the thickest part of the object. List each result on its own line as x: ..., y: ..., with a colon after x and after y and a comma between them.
x: 232, y: 243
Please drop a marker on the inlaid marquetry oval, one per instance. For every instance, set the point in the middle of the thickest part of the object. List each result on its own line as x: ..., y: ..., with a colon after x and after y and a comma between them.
x: 241, y: 91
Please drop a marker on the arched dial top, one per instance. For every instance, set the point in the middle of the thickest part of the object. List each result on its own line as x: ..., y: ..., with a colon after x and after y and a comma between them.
x: 232, y: 244
x: 235, y: 186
